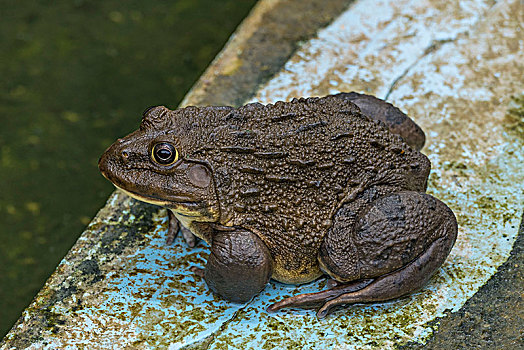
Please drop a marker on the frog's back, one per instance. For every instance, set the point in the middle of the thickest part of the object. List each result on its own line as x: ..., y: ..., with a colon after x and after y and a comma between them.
x: 283, y: 170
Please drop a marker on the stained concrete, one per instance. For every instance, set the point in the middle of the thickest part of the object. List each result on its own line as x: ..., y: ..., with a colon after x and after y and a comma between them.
x: 454, y: 68
x: 493, y: 318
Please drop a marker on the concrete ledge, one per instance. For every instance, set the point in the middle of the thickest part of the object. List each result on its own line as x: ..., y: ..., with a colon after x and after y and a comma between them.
x: 452, y: 66
x: 260, y: 47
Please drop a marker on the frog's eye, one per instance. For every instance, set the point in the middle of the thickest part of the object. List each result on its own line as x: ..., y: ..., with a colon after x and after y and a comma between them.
x: 164, y: 153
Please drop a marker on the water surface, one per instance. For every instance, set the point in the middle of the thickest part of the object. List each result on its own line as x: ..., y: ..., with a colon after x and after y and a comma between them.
x: 75, y: 75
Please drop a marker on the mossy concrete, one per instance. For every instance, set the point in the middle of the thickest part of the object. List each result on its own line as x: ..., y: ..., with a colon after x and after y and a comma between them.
x: 493, y: 318
x: 456, y: 68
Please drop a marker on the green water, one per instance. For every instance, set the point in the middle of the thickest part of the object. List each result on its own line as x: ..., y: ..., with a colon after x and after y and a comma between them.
x: 75, y: 75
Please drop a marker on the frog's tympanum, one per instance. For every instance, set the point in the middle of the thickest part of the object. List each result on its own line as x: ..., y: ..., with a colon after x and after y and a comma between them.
x: 293, y: 190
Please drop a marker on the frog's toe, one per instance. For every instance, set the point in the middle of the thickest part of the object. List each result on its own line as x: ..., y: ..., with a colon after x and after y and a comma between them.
x: 398, y: 283
x: 173, y: 228
x: 312, y: 300
x: 198, y: 271
x: 189, y: 237
x: 303, y: 301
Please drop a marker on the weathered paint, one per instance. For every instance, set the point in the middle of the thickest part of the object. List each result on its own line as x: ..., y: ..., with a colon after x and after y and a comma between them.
x: 453, y: 67
x: 441, y: 63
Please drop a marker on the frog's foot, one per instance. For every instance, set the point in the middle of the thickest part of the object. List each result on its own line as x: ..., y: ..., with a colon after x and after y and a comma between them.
x: 312, y: 300
x: 174, y: 227
x: 395, y: 284
x: 198, y: 271
x: 398, y: 241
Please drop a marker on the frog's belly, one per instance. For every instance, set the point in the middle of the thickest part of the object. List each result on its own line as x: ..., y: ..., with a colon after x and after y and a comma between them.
x: 293, y: 271
x: 293, y: 262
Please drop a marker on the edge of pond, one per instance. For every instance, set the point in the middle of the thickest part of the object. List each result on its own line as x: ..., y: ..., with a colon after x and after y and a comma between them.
x: 259, y: 49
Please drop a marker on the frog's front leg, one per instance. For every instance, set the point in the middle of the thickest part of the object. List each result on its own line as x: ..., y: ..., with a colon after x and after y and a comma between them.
x: 389, y: 249
x: 239, y: 265
x: 174, y: 226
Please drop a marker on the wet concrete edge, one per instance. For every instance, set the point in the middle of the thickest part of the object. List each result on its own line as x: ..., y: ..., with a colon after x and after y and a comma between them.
x: 81, y: 270
x: 494, y: 317
x: 260, y: 47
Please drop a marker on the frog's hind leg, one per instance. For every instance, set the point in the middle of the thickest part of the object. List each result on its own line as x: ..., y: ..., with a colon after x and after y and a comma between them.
x: 395, y: 284
x: 399, y: 240
x: 389, y: 249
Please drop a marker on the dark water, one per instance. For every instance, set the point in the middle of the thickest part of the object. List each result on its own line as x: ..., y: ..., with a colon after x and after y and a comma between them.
x: 75, y: 75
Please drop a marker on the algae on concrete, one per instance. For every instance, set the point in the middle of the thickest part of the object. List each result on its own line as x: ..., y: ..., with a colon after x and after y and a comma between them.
x: 436, y: 61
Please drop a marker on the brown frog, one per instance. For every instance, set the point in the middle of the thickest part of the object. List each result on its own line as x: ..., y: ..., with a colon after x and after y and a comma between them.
x: 293, y: 190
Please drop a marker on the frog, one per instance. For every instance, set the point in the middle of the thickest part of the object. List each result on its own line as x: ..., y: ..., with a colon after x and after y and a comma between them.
x: 292, y: 191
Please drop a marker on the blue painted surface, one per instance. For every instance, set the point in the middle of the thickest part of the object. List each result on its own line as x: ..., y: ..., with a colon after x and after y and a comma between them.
x: 150, y: 299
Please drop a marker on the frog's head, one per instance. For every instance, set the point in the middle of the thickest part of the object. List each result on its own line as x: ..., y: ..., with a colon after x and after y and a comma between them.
x: 149, y: 165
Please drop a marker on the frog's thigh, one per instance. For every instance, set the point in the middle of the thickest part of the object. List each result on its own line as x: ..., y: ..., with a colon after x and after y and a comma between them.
x: 384, y: 236
x: 400, y: 241
x: 239, y: 265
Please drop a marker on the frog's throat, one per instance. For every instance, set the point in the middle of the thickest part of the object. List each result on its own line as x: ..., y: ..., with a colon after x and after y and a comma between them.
x: 143, y: 199
x: 184, y: 215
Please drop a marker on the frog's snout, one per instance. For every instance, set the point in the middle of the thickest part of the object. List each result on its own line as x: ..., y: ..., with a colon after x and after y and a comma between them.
x: 103, y: 164
x: 106, y: 163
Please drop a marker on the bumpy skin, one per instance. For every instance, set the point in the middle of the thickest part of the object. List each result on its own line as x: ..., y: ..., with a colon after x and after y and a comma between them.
x: 239, y: 264
x: 396, y: 121
x: 309, y: 181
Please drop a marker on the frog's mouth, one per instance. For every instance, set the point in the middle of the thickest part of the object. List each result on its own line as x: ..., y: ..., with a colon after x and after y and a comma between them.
x: 161, y: 194
x: 143, y: 198
x: 176, y: 200
x: 182, y: 206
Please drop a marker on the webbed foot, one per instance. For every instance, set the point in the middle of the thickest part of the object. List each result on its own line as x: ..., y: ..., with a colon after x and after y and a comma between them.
x: 312, y: 300
x: 174, y: 227
x: 398, y: 283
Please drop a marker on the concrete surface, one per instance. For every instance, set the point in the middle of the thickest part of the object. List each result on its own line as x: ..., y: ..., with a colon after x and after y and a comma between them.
x: 453, y: 67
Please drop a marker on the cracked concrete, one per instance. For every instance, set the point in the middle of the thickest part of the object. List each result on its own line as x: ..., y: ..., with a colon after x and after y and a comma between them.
x: 433, y: 46
x: 453, y: 67
x: 367, y: 50
x: 436, y: 44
